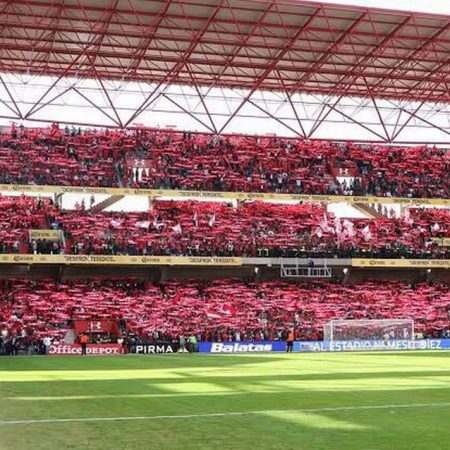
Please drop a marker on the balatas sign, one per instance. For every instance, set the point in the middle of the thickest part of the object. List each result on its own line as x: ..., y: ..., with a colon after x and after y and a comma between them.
x: 242, y: 347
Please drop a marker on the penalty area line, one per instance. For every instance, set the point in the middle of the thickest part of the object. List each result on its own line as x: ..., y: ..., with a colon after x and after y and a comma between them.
x: 227, y: 414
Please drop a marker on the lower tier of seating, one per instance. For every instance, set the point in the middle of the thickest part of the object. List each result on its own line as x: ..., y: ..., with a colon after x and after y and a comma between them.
x: 215, y: 310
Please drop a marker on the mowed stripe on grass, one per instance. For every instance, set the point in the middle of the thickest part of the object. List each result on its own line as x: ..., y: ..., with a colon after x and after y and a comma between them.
x: 227, y: 414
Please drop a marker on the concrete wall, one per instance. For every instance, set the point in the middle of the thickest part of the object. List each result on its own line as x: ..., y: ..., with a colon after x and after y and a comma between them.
x: 250, y: 273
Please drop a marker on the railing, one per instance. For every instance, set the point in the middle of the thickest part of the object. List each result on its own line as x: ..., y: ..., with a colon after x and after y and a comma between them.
x: 301, y: 271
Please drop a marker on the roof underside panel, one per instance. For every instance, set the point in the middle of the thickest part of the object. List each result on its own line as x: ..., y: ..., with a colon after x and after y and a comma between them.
x: 251, y: 44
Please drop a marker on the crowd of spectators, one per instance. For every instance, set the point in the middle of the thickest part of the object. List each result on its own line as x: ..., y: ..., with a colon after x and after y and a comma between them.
x: 220, y: 310
x: 19, y: 215
x: 192, y: 228
x: 34, y: 312
x: 173, y: 160
x: 21, y: 344
x: 254, y: 229
x: 271, y: 164
x: 60, y: 157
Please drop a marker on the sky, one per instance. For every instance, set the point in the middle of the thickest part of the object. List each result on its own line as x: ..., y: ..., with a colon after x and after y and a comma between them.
x: 429, y: 6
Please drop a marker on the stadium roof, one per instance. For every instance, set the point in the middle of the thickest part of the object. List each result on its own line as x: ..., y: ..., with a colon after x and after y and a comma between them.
x: 288, y: 67
x: 288, y: 45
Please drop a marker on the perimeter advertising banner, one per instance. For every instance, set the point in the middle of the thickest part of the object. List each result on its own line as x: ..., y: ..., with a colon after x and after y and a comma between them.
x: 371, y: 345
x: 442, y: 242
x: 164, y: 193
x: 242, y: 347
x: 156, y: 347
x: 49, y: 235
x: 111, y: 260
x: 92, y: 349
x: 402, y: 263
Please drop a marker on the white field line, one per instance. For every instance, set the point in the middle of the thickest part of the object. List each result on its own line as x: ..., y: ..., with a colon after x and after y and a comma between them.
x: 228, y: 414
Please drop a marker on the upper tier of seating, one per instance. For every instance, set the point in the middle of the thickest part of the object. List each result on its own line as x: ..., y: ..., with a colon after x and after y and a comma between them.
x: 218, y: 309
x: 172, y: 160
x: 193, y: 228
x: 53, y: 156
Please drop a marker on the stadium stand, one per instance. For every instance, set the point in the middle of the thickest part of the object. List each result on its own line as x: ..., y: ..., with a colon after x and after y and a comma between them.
x: 245, y: 172
x: 255, y: 229
x: 279, y: 165
x: 57, y: 157
x: 169, y: 160
x: 221, y: 310
x: 191, y: 228
x: 17, y: 216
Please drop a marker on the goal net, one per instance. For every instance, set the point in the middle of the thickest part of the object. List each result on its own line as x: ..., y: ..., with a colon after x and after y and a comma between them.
x: 355, y: 330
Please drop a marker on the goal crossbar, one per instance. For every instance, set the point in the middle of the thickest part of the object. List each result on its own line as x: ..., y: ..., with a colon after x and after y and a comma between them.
x: 354, y: 329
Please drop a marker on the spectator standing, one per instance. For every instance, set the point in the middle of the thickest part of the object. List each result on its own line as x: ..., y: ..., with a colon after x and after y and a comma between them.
x: 193, y: 345
x: 47, y: 341
x: 182, y: 341
x: 290, y: 341
x: 120, y: 342
x: 84, y: 342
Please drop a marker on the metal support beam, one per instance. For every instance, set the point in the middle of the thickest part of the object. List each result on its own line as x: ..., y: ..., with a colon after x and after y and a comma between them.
x: 209, y: 128
x: 405, y: 124
x: 282, y: 122
x: 272, y: 65
x: 184, y: 61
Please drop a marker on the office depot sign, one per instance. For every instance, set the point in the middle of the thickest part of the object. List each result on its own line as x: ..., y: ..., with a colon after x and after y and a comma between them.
x: 92, y: 349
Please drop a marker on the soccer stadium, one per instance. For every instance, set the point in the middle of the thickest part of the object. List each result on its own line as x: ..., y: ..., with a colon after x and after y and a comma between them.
x: 224, y: 224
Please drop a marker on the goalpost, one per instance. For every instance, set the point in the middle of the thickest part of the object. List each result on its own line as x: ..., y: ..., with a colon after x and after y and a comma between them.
x: 356, y: 330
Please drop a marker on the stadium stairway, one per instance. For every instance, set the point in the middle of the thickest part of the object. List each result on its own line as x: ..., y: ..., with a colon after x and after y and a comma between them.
x: 369, y: 211
x: 106, y: 203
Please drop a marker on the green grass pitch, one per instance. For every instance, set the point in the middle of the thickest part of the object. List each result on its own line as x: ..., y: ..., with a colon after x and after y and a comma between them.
x: 332, y: 401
